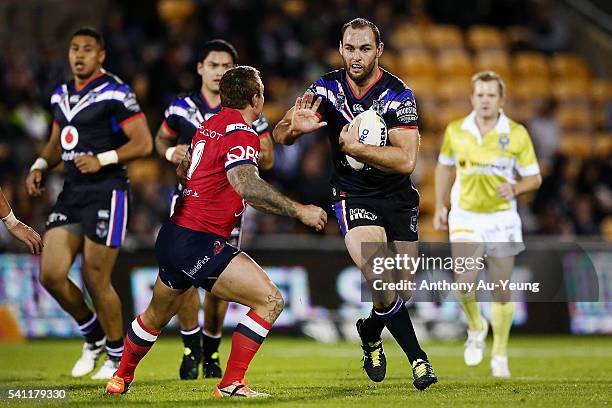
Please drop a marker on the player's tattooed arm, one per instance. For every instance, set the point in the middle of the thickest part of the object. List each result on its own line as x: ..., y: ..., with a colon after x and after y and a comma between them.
x: 245, y: 180
x: 259, y: 194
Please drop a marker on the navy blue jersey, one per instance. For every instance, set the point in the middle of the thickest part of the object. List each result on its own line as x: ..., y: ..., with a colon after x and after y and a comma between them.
x: 90, y: 122
x: 185, y: 114
x: 394, y: 101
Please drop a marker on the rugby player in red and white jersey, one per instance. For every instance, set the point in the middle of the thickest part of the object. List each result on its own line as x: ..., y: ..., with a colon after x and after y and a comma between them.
x: 221, y: 177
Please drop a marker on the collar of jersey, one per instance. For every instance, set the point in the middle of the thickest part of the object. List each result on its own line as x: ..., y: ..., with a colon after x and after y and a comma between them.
x: 345, y: 79
x: 89, y: 83
x: 207, y: 105
x: 469, y: 124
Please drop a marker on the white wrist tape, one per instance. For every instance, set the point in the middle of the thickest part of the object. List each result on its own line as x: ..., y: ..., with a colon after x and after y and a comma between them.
x: 10, y: 221
x: 40, y: 164
x: 107, y: 158
x: 170, y: 152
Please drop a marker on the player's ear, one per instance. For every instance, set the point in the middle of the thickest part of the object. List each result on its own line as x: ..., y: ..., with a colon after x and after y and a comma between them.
x: 199, y: 67
x: 380, y: 49
x: 101, y: 57
x: 340, y: 47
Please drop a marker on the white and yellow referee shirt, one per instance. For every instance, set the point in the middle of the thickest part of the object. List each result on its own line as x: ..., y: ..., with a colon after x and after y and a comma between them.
x: 484, y: 162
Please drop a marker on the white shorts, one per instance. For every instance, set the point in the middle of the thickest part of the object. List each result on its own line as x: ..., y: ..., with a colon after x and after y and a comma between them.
x: 499, y: 231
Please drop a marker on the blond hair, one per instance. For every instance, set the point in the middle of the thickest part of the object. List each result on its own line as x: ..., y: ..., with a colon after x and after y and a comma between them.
x: 487, y: 76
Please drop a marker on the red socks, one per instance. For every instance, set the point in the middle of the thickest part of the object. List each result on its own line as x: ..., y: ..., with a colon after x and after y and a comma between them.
x: 246, y: 340
x: 138, y: 342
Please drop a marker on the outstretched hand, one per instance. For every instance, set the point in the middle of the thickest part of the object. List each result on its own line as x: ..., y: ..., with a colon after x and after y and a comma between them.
x: 304, y: 118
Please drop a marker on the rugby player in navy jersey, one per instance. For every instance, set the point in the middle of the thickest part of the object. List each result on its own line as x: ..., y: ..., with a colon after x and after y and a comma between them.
x: 193, y: 248
x: 379, y: 203
x: 173, y: 138
x: 98, y: 127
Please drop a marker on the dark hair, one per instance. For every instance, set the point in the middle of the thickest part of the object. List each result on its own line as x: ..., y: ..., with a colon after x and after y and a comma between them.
x: 217, y: 45
x: 90, y: 32
x: 238, y: 85
x: 486, y: 76
x: 357, y: 23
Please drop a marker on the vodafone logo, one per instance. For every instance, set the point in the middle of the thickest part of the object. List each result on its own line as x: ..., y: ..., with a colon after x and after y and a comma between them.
x: 69, y: 137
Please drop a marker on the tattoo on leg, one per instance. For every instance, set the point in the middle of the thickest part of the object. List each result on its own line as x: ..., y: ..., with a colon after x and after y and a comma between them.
x: 275, y: 307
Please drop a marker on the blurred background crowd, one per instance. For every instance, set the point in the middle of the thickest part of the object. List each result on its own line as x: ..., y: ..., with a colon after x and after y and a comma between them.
x: 557, y: 85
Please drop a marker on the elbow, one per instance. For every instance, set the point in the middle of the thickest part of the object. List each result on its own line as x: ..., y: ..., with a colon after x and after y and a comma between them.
x: 538, y: 181
x: 408, y: 167
x: 147, y: 147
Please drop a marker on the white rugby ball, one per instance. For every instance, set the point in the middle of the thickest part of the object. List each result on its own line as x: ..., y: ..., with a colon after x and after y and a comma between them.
x: 372, y: 131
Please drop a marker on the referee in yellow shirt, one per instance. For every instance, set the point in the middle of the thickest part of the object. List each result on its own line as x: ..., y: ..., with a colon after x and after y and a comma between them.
x: 495, y: 162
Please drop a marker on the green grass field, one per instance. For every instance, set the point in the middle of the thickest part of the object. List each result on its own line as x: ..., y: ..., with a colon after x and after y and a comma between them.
x: 547, y: 372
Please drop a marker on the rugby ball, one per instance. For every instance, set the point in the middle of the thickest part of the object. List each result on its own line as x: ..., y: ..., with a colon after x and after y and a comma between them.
x: 372, y: 131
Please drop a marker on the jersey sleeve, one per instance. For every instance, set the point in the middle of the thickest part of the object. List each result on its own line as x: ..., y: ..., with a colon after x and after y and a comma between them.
x: 526, y: 163
x: 261, y: 126
x: 319, y: 90
x: 446, y: 156
x: 171, y: 119
x: 402, y: 111
x: 125, y: 107
x: 241, y: 146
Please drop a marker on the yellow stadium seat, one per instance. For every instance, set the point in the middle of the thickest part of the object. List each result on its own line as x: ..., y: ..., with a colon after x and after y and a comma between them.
x: 455, y: 63
x: 574, y: 91
x: 530, y: 64
x: 485, y: 38
x: 497, y: 61
x: 601, y: 91
x: 574, y: 118
x: 530, y: 88
x: 569, y: 65
x: 389, y: 61
x: 407, y: 37
x: 454, y: 89
x: 424, y: 87
x: 576, y: 144
x: 410, y: 64
x: 440, y: 37
x: 603, y: 145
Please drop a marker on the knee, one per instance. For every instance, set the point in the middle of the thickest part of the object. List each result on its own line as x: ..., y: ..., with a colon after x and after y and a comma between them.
x: 50, y: 280
x: 273, y: 303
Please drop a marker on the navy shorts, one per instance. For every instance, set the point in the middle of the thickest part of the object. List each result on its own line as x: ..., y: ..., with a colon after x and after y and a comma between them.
x: 394, y: 214
x: 101, y: 213
x: 191, y: 258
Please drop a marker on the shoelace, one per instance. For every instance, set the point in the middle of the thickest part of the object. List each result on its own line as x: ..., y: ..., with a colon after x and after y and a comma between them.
x: 423, y: 369
x: 374, y: 353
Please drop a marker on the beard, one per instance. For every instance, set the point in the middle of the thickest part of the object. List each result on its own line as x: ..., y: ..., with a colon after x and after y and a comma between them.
x: 364, y: 75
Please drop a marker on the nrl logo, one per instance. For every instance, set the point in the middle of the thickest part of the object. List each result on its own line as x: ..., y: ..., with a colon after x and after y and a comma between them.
x: 340, y: 99
x: 378, y: 106
x: 504, y: 140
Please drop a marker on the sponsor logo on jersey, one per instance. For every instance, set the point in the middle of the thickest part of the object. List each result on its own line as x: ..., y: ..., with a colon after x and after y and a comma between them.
x: 104, y: 214
x: 361, y: 214
x: 241, y: 153
x: 55, y: 217
x: 69, y: 137
x: 414, y: 223
x: 407, y: 111
x: 74, y: 99
x: 197, y: 266
x: 357, y: 108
